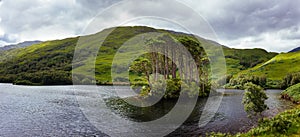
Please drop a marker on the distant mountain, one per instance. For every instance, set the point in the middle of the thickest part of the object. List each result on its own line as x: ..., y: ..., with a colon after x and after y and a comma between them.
x: 20, y: 45
x: 295, y: 50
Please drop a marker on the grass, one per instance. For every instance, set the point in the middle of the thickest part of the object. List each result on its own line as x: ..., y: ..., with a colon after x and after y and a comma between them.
x: 292, y: 93
x: 242, y: 59
x: 277, y: 67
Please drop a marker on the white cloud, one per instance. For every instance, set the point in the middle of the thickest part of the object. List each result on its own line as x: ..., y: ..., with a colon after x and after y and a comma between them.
x: 271, y: 41
x: 270, y: 24
x: 1, y: 33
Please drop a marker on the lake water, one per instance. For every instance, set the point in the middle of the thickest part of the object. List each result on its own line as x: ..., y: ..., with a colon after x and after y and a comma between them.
x: 60, y: 111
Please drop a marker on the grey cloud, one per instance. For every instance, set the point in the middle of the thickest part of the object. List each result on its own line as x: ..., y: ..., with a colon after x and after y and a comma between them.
x: 167, y: 9
x: 232, y: 20
x: 293, y: 33
x: 96, y: 4
x: 9, y: 38
x: 22, y: 17
x: 250, y: 18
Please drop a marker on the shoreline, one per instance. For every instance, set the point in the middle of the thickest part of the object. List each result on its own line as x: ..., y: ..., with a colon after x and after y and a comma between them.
x: 289, y: 98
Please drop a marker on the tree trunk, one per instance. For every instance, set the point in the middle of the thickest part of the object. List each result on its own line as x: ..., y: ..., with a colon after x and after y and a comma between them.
x: 173, y: 64
x: 167, y: 63
x: 156, y: 66
x: 153, y: 63
x: 147, y: 74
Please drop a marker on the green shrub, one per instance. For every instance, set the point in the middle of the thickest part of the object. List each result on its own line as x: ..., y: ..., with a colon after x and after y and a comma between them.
x: 283, y: 124
x: 286, y: 123
x: 173, y: 88
x: 254, y: 99
x: 292, y: 93
x: 214, y: 134
x: 239, y: 81
x: 86, y: 81
x: 224, y: 80
x: 158, y: 88
x: 144, y: 92
x: 191, y: 89
x: 273, y: 84
x: 290, y: 80
x: 23, y: 82
x: 7, y: 78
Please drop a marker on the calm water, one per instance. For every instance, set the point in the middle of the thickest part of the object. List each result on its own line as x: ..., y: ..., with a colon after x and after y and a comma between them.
x: 59, y: 111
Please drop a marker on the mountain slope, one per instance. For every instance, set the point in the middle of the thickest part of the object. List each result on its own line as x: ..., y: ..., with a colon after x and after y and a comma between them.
x: 242, y: 59
x: 295, y: 50
x: 50, y: 62
x: 277, y: 67
x: 20, y: 45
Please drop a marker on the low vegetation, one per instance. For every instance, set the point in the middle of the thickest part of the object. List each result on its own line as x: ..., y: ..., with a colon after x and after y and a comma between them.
x: 291, y: 84
x: 254, y: 99
x: 239, y: 81
x: 284, y: 124
x: 290, y: 80
x: 292, y: 93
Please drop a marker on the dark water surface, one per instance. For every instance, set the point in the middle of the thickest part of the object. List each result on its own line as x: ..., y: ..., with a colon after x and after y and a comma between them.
x: 54, y: 111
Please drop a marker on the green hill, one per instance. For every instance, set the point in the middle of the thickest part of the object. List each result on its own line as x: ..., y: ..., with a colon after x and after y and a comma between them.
x: 277, y: 67
x: 50, y: 62
x: 242, y: 59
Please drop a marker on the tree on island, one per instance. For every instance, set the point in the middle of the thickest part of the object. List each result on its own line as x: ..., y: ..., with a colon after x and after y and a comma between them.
x: 165, y: 61
x: 254, y: 99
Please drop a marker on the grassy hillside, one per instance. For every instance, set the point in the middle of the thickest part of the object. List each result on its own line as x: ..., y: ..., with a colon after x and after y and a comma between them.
x: 37, y: 63
x: 277, y: 67
x: 19, y: 45
x: 241, y: 59
x: 50, y: 62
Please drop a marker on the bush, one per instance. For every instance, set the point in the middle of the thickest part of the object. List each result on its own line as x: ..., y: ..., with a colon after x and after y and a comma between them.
x: 224, y: 80
x: 7, y: 78
x: 273, y: 84
x: 239, y: 81
x: 144, y: 92
x: 283, y: 124
x: 290, y: 80
x: 86, y: 81
x: 121, y: 79
x: 158, y: 88
x: 173, y: 88
x: 214, y: 134
x: 45, y: 78
x: 292, y: 93
x: 254, y: 99
x: 191, y: 89
x: 23, y: 82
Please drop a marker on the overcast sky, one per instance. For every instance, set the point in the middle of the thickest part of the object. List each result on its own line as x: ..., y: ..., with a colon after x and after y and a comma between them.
x: 273, y: 25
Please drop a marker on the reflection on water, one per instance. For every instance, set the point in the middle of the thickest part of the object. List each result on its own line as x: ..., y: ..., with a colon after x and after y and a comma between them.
x: 144, y: 114
x: 54, y: 111
x: 230, y: 116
